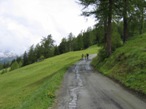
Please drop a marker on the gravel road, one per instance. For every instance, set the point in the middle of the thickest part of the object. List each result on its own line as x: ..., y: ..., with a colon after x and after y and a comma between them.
x: 83, y: 88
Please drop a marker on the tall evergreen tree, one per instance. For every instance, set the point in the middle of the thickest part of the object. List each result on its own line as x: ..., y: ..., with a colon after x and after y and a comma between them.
x: 63, y: 47
x: 70, y: 42
x: 31, y: 55
x: 56, y: 50
x: 80, y: 42
x: 25, y: 59
x: 125, y: 21
x: 103, y: 11
x: 48, y: 46
x: 140, y: 8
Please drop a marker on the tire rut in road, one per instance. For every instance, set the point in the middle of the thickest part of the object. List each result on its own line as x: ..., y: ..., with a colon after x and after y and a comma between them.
x: 74, y: 92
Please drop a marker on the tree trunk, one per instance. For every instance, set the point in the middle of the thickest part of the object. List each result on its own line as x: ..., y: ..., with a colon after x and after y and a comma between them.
x: 105, y: 30
x: 125, y: 31
x: 141, y: 21
x: 109, y: 28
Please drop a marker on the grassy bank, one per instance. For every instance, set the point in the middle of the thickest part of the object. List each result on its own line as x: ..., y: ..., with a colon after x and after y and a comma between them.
x: 34, y: 86
x: 127, y: 64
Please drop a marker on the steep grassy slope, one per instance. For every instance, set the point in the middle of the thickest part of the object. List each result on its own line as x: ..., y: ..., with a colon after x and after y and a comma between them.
x: 127, y: 64
x: 34, y: 86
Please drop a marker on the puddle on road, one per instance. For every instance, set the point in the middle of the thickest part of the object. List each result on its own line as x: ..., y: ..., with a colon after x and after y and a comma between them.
x: 75, y: 91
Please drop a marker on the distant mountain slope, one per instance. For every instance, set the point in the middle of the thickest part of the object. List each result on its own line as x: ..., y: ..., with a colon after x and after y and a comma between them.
x: 7, y: 57
x: 127, y: 64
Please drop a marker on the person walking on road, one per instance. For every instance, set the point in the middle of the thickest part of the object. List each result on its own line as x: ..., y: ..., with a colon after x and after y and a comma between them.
x: 87, y: 56
x: 82, y: 56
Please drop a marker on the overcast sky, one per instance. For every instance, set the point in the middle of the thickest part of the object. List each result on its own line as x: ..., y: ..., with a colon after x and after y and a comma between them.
x: 24, y: 22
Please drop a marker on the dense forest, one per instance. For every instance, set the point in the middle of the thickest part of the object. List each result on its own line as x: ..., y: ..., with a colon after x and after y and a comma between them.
x: 117, y: 22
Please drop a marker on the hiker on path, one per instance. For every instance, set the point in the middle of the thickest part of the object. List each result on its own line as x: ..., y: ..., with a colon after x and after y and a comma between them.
x: 87, y: 55
x: 82, y: 56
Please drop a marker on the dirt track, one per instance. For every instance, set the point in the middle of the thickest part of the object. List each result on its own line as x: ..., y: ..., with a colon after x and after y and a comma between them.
x: 84, y: 88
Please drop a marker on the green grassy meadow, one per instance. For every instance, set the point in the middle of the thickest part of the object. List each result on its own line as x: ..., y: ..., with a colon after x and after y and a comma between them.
x: 127, y: 64
x: 34, y: 86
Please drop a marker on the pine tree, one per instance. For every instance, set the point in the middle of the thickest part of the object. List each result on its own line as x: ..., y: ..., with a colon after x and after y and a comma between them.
x: 31, y: 55
x: 47, y: 44
x: 25, y: 59
x: 103, y: 11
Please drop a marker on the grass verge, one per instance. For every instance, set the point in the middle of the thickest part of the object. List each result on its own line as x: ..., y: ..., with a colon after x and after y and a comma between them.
x: 127, y: 64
